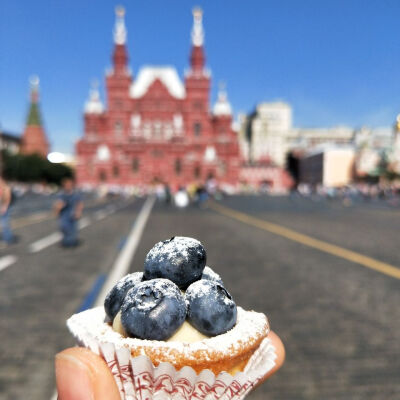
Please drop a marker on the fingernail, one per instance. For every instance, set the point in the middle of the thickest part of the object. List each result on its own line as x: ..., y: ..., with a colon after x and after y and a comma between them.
x: 73, y: 379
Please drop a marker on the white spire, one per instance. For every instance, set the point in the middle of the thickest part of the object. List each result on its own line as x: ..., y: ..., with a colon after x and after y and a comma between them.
x: 222, y: 106
x: 34, y: 84
x: 197, y: 30
x: 120, y: 29
x: 94, y: 104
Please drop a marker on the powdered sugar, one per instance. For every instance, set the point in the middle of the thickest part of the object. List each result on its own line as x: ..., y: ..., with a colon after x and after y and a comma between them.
x: 133, y: 278
x: 154, y: 290
x: 180, y: 259
x: 210, y: 274
x: 174, y: 248
x: 204, y: 287
x: 249, y: 325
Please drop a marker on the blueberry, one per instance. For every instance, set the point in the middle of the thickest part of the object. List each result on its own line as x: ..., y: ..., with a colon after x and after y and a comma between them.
x: 115, y: 297
x: 153, y: 310
x: 209, y: 274
x: 180, y: 259
x: 211, y: 309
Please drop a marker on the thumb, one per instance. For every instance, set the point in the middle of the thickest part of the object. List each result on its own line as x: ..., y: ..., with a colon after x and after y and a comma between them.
x: 83, y: 375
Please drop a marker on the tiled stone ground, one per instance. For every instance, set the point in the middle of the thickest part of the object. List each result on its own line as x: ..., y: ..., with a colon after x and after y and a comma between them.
x: 340, y: 322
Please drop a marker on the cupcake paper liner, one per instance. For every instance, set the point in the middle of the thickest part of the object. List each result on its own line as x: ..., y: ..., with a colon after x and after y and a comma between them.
x: 138, y: 379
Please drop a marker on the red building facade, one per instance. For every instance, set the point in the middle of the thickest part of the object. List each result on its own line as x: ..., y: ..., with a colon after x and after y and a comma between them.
x: 156, y: 127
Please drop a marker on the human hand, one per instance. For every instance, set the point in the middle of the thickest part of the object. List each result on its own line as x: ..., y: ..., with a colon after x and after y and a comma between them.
x: 83, y: 375
x: 280, y: 353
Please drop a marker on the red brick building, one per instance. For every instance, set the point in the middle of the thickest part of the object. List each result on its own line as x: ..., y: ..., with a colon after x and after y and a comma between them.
x: 156, y: 127
x: 34, y: 138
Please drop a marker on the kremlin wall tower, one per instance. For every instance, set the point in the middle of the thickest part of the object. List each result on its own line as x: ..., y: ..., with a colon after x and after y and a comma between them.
x: 156, y: 128
x: 34, y: 139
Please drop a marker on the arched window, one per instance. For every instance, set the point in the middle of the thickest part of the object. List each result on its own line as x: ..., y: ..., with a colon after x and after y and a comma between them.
x: 197, y: 129
x: 118, y: 128
x: 197, y: 105
x: 102, y: 176
x: 135, y: 165
x: 197, y: 172
x: 178, y: 166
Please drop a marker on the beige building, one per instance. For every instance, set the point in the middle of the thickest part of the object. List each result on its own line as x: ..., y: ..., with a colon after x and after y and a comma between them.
x: 330, y: 166
x: 266, y: 132
x: 267, y: 135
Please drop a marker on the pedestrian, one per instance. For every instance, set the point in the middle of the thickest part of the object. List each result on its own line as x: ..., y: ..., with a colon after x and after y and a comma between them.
x: 69, y: 207
x: 201, y: 196
x: 5, y: 206
x: 181, y: 198
x: 167, y: 194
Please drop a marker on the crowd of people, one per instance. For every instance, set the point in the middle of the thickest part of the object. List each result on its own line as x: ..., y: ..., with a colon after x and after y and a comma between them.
x: 68, y: 206
x: 194, y: 193
x: 357, y: 192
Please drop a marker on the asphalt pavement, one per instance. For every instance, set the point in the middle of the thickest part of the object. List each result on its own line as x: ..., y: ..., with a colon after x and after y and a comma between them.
x: 338, y: 317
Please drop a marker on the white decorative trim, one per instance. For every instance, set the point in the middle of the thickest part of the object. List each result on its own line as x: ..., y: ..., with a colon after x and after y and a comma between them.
x: 222, y: 106
x: 167, y: 75
x: 94, y: 104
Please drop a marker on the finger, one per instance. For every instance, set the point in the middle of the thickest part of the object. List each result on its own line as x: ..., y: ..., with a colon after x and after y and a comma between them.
x: 279, y: 351
x: 83, y: 375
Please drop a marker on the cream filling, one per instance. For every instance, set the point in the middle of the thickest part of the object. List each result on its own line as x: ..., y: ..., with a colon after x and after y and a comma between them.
x: 185, y: 334
x: 117, y: 325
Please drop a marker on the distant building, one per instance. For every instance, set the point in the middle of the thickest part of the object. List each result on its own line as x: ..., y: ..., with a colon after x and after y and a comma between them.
x: 307, y: 138
x: 394, y: 157
x: 268, y: 130
x: 271, y: 136
x: 10, y: 142
x: 34, y: 138
x: 155, y: 127
x: 374, y: 147
x: 330, y: 166
x: 380, y: 139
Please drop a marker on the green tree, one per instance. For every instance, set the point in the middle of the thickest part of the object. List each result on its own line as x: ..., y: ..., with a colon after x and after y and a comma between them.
x: 33, y: 168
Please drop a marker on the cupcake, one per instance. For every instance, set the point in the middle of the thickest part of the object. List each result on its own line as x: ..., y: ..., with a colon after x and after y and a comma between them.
x: 174, y: 330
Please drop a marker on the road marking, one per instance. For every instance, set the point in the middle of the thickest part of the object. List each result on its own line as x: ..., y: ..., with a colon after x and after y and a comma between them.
x: 45, y: 215
x: 83, y: 223
x: 365, y: 261
x: 54, y: 396
x: 99, y: 215
x: 54, y: 237
x: 111, y: 208
x: 123, y: 261
x: 91, y: 297
x: 30, y: 220
x: 121, y: 243
x: 45, y: 242
x: 6, y: 261
x: 134, y: 238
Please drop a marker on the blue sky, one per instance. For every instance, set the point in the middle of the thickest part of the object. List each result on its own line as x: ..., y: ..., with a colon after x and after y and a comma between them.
x: 336, y: 62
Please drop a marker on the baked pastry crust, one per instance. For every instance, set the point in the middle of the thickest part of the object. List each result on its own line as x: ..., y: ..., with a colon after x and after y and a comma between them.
x: 228, y: 352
